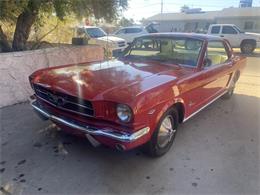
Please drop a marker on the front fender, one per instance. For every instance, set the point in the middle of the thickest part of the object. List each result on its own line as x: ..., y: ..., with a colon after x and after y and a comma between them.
x: 155, y: 114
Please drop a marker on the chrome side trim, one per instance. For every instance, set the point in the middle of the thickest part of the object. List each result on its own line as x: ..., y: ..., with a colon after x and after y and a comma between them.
x: 120, y: 136
x: 204, y: 106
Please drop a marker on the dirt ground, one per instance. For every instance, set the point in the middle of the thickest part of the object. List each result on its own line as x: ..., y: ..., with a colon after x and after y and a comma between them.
x: 216, y: 152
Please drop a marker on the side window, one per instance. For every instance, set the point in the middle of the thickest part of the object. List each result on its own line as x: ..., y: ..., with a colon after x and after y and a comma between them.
x: 216, y: 53
x: 228, y: 30
x: 133, y: 30
x: 215, y: 30
x: 122, y: 31
x: 249, y: 25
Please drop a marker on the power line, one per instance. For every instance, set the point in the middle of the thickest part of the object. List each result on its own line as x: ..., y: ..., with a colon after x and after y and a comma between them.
x: 161, y: 6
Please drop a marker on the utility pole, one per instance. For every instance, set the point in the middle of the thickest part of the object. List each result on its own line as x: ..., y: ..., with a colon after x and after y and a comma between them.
x: 161, y: 6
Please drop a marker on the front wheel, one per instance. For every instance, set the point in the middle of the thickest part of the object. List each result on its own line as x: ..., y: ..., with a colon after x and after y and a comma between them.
x: 231, y: 88
x: 163, y: 137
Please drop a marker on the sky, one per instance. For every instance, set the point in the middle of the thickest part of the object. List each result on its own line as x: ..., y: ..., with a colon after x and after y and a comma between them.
x: 139, y: 9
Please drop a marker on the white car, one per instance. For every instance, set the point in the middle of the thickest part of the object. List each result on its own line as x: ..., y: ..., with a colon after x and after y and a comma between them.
x: 98, y: 36
x: 130, y: 33
x: 247, y: 42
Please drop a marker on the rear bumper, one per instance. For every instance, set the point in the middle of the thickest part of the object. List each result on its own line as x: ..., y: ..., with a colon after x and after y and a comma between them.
x: 109, y: 133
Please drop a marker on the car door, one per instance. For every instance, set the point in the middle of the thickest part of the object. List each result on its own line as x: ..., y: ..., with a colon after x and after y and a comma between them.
x: 231, y: 34
x: 216, y: 71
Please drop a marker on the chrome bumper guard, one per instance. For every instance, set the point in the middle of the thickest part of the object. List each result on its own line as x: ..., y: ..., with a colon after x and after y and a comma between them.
x: 123, y: 137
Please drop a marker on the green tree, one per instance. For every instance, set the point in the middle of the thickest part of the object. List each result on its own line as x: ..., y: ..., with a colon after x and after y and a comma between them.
x: 184, y: 8
x: 24, y: 13
x: 126, y: 22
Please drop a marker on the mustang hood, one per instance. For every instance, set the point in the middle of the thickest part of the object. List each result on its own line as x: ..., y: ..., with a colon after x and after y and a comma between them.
x: 112, y: 80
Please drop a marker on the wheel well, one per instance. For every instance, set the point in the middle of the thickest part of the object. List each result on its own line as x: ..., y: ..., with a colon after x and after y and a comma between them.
x: 248, y: 41
x: 180, y: 108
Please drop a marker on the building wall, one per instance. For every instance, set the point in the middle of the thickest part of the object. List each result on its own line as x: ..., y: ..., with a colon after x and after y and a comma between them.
x: 170, y: 26
x: 241, y: 23
x: 197, y: 26
x: 183, y: 26
x: 17, y: 66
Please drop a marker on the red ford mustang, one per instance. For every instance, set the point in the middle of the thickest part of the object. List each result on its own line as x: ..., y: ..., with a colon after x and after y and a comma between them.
x: 160, y: 81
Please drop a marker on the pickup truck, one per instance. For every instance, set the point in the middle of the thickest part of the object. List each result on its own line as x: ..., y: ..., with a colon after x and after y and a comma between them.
x: 247, y: 42
x: 139, y: 99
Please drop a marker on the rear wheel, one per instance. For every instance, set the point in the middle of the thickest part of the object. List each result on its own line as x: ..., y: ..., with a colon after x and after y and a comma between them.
x: 164, y: 134
x: 247, y: 47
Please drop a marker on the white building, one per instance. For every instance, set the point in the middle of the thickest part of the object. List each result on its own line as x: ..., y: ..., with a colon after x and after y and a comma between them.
x: 247, y: 19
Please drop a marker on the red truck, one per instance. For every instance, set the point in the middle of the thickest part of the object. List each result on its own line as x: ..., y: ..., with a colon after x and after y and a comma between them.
x: 162, y: 80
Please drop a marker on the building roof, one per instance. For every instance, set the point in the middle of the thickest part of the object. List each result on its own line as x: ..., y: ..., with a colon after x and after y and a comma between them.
x: 209, y: 15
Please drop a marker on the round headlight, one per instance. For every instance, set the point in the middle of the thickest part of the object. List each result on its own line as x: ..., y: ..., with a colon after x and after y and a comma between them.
x: 124, y: 112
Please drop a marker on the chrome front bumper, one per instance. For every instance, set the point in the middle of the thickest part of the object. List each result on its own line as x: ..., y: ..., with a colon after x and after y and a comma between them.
x: 119, y: 136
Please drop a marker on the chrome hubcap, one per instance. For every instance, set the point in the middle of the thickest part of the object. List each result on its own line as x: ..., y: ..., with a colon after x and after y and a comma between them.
x: 248, y: 48
x: 166, y: 131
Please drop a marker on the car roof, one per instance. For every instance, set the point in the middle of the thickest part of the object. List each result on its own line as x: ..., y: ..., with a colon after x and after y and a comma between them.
x: 205, y: 37
x: 132, y: 27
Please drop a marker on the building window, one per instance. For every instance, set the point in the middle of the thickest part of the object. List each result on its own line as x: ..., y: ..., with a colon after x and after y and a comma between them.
x: 249, y: 25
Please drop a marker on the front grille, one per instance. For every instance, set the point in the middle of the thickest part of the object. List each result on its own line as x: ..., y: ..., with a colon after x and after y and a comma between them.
x: 121, y: 44
x: 65, y: 101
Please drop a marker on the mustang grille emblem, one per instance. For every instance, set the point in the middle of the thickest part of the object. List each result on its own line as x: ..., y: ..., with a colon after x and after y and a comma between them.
x: 59, y: 101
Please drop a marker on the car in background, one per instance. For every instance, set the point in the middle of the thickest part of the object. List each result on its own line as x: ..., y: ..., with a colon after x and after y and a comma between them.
x: 247, y: 42
x: 140, y: 98
x: 96, y: 35
x: 131, y: 32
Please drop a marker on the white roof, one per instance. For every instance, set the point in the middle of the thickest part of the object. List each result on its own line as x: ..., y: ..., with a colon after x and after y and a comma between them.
x: 210, y: 15
x: 132, y: 27
x: 88, y: 27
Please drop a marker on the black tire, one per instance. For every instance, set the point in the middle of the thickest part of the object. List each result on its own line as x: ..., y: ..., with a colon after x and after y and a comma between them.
x: 248, y: 47
x: 153, y: 148
x: 232, y: 86
x: 229, y: 93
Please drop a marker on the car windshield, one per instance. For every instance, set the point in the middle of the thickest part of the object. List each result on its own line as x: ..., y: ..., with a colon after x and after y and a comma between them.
x: 95, y: 32
x: 181, y: 51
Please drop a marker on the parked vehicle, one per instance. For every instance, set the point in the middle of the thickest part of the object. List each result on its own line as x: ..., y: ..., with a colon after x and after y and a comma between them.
x: 132, y: 32
x: 139, y: 99
x: 247, y: 42
x: 96, y: 35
